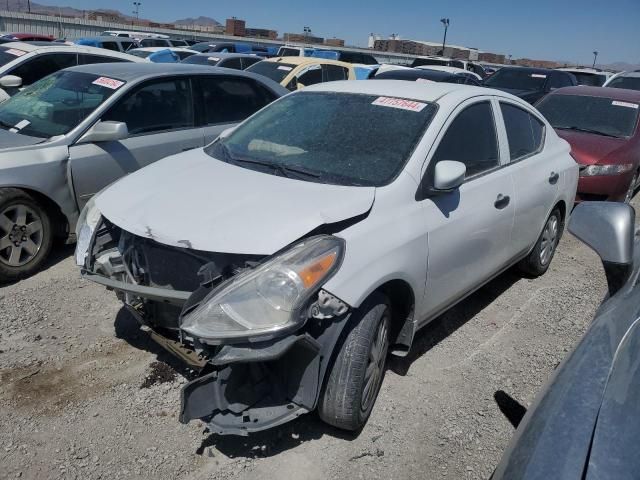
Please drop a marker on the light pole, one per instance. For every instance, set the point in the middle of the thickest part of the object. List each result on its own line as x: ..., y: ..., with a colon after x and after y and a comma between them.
x: 307, y: 31
x: 509, y: 59
x: 445, y: 22
x: 136, y: 5
x: 595, y: 55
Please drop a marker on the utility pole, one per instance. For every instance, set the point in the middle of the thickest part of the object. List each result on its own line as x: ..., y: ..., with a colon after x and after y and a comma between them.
x: 445, y: 22
x: 307, y: 31
x: 595, y: 56
x: 29, y: 6
x: 137, y: 10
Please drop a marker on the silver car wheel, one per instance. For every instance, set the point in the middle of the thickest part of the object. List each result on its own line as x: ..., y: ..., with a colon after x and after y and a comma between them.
x: 549, y: 240
x: 375, y: 367
x: 21, y: 235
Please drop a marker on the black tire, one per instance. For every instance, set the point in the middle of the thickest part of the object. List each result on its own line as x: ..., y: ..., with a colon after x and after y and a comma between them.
x: 536, y: 263
x: 12, y: 199
x: 343, y: 402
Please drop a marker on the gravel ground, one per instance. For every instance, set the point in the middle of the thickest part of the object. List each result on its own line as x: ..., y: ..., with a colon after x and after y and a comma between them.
x: 85, y: 394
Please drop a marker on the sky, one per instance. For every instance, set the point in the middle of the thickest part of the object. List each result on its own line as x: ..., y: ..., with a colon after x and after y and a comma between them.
x: 566, y: 30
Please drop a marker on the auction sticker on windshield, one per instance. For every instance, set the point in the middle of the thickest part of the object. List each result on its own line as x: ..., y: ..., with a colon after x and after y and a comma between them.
x: 538, y: 75
x: 286, y: 69
x: 401, y: 103
x: 624, y: 104
x: 108, y: 83
x: 17, y: 53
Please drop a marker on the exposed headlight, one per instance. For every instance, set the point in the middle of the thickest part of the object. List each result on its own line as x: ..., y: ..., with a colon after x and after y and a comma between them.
x: 87, y: 222
x: 595, y: 170
x: 267, y: 299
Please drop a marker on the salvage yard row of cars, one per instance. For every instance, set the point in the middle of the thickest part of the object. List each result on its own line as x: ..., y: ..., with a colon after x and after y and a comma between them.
x: 245, y: 243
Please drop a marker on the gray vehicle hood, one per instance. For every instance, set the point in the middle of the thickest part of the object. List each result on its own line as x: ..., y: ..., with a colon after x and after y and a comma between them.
x: 193, y: 200
x: 12, y: 140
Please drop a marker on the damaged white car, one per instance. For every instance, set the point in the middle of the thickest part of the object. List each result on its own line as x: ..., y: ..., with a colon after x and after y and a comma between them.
x: 289, y: 256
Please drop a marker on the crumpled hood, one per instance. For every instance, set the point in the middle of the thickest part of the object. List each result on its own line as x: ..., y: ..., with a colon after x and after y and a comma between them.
x: 11, y: 140
x: 588, y: 148
x: 195, y: 201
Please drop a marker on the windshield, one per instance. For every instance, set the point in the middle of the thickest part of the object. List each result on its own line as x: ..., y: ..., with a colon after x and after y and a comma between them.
x: 593, y: 114
x: 201, y: 60
x: 337, y: 138
x: 631, y: 83
x: 288, y: 52
x: 140, y: 53
x: 429, y: 61
x: 56, y: 104
x: 590, y: 79
x: 8, y: 54
x: 276, y: 71
x: 516, y: 79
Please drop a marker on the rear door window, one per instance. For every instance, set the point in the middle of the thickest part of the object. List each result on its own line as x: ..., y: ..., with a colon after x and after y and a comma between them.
x: 157, y: 106
x: 312, y: 76
x: 471, y: 139
x: 42, y: 65
x: 231, y: 63
x: 334, y: 72
x: 247, y: 62
x: 111, y: 46
x: 227, y: 99
x: 524, y: 131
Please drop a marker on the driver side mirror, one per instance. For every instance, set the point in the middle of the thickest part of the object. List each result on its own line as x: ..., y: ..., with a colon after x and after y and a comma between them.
x: 105, y: 132
x: 10, y: 81
x: 608, y: 229
x: 448, y: 175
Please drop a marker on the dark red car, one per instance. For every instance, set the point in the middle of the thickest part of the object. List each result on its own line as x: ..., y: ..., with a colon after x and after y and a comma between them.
x: 601, y: 124
x: 29, y: 37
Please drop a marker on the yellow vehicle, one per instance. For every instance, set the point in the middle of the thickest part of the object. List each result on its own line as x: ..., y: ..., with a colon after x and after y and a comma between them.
x: 295, y: 73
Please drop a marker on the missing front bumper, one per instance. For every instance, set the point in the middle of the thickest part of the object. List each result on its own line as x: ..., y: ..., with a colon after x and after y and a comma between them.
x: 255, y: 387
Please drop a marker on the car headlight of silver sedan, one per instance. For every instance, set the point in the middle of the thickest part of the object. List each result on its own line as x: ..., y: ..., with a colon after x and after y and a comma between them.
x: 267, y: 300
x: 87, y: 223
x: 614, y: 169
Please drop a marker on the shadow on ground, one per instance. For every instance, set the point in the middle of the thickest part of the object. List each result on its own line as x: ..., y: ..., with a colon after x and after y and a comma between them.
x: 59, y: 253
x: 450, y: 321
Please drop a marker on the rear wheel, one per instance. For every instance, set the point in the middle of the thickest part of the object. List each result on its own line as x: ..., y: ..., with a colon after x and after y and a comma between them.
x: 358, y: 369
x: 25, y: 234
x: 538, y: 261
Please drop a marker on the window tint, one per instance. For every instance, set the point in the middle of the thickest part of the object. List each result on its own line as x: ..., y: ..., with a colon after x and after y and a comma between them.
x: 560, y: 80
x: 157, y: 106
x: 457, y: 64
x: 334, y: 72
x: 471, y: 139
x: 231, y: 63
x: 311, y: 77
x: 183, y: 55
x: 86, y: 59
x: 247, y: 62
x: 228, y: 100
x: 111, y: 46
x: 42, y: 65
x: 524, y: 131
x: 127, y: 45
x: 154, y: 42
x: 630, y: 83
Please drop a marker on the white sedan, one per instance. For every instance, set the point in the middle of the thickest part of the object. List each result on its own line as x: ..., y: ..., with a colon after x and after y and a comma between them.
x: 291, y: 254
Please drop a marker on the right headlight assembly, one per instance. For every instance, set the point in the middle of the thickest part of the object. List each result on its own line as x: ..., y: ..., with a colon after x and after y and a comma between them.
x: 266, y: 300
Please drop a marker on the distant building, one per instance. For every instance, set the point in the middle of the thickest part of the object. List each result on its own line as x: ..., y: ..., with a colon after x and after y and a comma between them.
x: 235, y: 27
x: 334, y: 42
x: 302, y: 38
x: 261, y: 33
x: 491, y: 57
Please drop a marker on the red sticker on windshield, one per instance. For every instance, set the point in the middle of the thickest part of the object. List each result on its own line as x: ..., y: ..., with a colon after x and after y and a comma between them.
x: 108, y: 83
x: 400, y: 103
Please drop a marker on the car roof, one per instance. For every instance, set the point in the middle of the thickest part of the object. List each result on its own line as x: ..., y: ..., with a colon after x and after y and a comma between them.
x: 530, y: 69
x: 158, y: 49
x: 108, y: 38
x: 134, y: 71
x: 583, y: 70
x: 307, y: 60
x: 222, y: 55
x: 423, y: 91
x: 621, y: 94
x: 414, y: 74
x: 61, y: 47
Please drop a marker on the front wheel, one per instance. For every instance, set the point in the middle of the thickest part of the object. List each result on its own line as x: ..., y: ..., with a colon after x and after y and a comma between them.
x: 538, y: 261
x: 358, y: 369
x: 25, y: 234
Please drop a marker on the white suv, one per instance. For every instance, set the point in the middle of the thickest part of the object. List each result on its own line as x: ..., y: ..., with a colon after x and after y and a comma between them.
x: 287, y: 257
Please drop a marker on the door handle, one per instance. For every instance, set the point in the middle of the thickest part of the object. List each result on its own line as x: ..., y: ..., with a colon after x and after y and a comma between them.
x: 553, y: 178
x: 502, y: 201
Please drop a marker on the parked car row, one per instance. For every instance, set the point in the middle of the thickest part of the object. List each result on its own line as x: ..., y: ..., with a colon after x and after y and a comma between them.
x: 234, y: 219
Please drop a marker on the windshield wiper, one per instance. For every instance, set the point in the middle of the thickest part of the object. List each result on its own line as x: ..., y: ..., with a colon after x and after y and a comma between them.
x: 588, y: 130
x: 5, y: 125
x: 284, y: 170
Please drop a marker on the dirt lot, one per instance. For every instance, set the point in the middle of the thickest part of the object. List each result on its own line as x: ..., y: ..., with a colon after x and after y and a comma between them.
x: 82, y: 394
